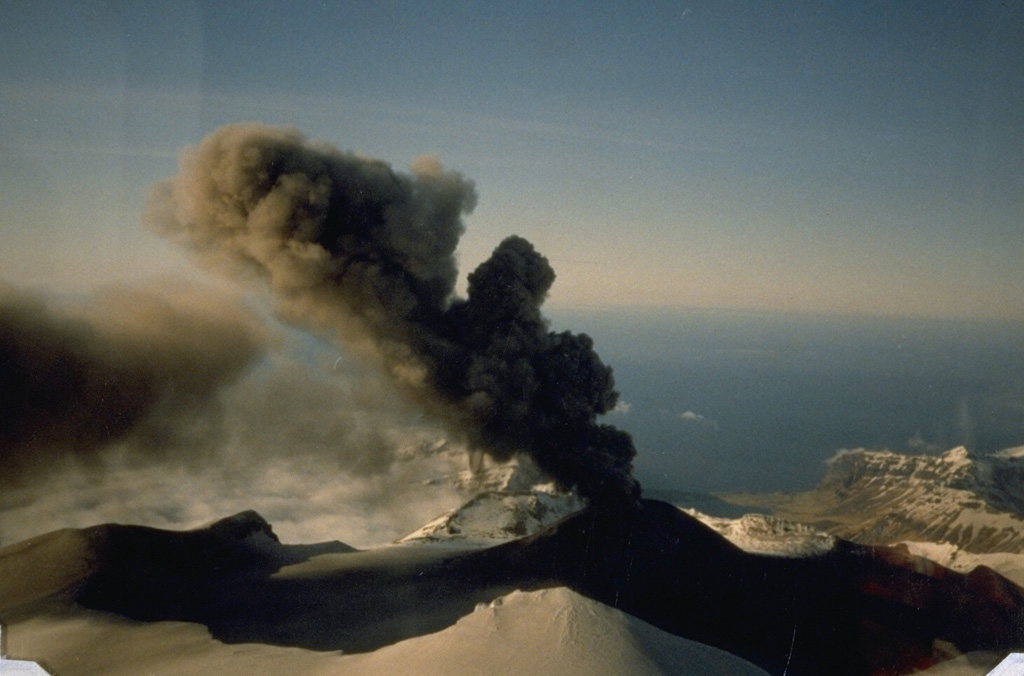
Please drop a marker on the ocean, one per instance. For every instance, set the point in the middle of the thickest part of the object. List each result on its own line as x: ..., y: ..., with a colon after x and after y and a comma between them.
x: 747, y: 401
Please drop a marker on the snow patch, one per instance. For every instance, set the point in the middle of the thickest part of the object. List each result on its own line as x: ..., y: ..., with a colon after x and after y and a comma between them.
x: 1014, y: 452
x: 494, y: 517
x: 1007, y: 564
x: 19, y: 667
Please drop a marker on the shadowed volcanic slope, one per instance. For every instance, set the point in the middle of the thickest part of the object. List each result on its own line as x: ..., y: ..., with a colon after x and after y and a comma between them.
x: 852, y: 610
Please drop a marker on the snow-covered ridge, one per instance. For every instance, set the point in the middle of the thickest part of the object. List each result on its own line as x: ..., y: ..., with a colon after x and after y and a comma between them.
x: 996, y: 479
x: 760, y: 534
x: 558, y: 631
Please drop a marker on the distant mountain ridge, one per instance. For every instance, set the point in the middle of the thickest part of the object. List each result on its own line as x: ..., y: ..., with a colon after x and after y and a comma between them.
x: 881, y: 497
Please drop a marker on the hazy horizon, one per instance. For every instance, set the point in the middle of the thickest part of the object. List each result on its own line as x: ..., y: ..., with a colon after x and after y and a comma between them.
x: 752, y: 401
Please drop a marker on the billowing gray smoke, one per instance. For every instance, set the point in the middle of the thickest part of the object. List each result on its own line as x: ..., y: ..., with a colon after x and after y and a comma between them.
x: 130, y: 366
x: 347, y: 244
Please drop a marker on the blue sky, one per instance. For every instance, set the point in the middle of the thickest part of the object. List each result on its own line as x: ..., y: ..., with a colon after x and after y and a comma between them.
x: 850, y: 158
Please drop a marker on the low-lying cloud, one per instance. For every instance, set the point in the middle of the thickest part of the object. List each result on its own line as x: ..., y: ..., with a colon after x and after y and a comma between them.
x: 302, y: 499
x: 175, y: 406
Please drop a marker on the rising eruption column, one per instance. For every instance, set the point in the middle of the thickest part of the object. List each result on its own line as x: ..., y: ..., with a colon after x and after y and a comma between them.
x: 345, y: 243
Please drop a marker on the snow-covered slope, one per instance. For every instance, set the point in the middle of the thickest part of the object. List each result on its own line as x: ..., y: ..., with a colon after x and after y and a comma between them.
x: 493, y: 517
x: 1008, y: 564
x: 553, y: 632
x: 510, y: 501
x: 879, y: 497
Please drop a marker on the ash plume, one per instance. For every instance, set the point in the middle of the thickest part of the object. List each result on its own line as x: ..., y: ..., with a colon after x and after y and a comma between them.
x: 348, y: 245
x: 129, y: 365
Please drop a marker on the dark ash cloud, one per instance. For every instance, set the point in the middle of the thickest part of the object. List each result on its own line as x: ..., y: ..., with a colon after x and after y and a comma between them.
x: 349, y: 245
x: 172, y: 407
x: 127, y: 365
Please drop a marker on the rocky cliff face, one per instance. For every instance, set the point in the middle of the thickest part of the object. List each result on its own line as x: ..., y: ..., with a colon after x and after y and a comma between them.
x: 879, y: 497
